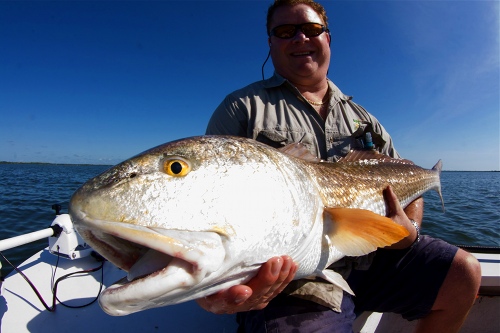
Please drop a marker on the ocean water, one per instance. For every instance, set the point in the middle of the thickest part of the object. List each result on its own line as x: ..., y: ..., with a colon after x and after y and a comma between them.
x: 27, y: 192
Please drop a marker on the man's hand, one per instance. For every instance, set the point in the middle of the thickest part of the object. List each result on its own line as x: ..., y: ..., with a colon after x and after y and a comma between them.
x: 272, y: 278
x: 396, y: 213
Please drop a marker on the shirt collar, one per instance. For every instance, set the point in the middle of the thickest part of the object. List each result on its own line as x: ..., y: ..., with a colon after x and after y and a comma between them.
x: 277, y: 80
x: 274, y: 81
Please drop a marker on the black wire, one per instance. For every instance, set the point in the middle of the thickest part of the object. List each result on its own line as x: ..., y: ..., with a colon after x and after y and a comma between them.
x: 262, y: 70
x: 29, y: 282
x: 62, y: 278
x: 55, y: 269
x: 54, y: 290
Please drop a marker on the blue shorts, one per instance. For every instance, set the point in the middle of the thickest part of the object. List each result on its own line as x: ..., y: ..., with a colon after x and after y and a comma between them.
x: 400, y: 281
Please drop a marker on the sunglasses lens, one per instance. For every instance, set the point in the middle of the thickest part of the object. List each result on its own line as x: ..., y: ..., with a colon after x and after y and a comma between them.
x: 287, y: 31
x: 312, y: 29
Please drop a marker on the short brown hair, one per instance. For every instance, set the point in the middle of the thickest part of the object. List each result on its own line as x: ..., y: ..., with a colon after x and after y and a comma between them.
x: 318, y: 8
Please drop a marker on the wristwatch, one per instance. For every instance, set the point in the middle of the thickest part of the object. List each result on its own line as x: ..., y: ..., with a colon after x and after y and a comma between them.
x: 417, y: 228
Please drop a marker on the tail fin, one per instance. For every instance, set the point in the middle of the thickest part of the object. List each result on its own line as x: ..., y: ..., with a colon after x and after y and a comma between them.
x: 437, y: 168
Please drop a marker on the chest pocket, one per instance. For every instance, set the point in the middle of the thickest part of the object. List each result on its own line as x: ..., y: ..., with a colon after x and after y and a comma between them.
x: 343, y: 143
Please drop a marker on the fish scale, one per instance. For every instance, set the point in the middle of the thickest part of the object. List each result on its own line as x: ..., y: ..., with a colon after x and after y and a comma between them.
x: 361, y: 184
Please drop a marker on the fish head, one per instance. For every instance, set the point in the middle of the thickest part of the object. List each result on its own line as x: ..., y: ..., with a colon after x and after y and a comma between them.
x: 180, y: 218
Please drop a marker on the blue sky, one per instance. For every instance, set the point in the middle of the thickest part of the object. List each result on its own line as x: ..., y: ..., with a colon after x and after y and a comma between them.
x: 100, y: 81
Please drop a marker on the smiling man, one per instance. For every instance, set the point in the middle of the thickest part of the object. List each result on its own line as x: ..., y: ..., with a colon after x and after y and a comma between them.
x: 302, y: 58
x: 420, y: 277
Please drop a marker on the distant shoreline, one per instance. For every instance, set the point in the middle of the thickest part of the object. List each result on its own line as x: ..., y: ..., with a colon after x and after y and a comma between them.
x: 47, y: 163
x: 86, y: 164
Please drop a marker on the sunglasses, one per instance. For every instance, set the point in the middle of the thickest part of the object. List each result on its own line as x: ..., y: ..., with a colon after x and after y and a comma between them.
x: 287, y: 31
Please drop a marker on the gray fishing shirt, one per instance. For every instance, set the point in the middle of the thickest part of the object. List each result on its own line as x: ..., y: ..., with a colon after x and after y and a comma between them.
x: 274, y: 112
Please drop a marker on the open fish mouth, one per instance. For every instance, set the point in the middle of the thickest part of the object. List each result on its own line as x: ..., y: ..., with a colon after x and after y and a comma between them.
x: 158, y: 262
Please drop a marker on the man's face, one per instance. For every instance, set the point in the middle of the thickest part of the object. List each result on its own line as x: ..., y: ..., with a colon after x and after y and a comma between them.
x: 300, y: 59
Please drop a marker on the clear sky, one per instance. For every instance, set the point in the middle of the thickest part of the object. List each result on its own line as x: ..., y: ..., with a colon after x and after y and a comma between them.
x: 100, y: 81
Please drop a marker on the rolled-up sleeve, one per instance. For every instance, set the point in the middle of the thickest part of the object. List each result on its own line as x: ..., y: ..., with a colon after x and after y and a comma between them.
x: 227, y: 119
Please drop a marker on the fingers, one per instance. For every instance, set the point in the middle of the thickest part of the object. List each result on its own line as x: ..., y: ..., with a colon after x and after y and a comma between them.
x: 393, y: 206
x: 271, y: 279
x: 223, y: 301
x: 396, y: 213
x: 414, y: 210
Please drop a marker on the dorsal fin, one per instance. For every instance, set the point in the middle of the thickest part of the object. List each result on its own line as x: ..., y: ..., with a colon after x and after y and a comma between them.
x: 300, y: 151
x: 359, y: 155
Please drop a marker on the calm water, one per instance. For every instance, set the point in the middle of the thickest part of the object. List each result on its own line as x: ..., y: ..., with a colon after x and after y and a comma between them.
x: 27, y: 192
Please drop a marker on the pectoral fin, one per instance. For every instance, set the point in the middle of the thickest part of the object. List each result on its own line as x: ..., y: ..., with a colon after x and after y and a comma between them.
x: 357, y: 232
x: 336, y: 279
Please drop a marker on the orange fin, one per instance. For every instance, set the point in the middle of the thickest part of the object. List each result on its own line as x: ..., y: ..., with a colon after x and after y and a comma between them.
x: 357, y: 232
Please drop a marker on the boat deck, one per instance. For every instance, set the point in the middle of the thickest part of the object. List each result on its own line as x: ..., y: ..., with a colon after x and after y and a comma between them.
x: 21, y: 311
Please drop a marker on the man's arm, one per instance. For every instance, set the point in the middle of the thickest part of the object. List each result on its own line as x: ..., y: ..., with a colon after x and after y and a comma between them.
x: 227, y: 119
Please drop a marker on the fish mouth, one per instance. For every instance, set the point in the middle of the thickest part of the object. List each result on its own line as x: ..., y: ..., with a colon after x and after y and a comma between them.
x: 161, y: 264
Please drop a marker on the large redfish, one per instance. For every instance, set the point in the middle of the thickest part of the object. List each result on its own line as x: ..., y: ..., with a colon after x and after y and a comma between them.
x: 195, y: 216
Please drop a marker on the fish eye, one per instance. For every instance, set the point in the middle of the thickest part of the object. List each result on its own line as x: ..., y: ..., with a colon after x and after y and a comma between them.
x: 176, y: 167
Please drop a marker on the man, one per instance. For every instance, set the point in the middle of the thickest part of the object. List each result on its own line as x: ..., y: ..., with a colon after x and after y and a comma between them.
x: 419, y: 277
